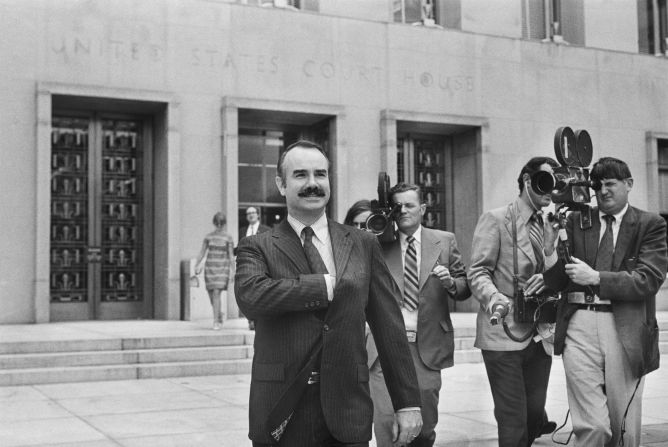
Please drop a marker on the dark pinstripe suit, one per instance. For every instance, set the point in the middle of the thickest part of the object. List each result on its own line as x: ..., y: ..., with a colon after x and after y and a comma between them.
x: 274, y: 286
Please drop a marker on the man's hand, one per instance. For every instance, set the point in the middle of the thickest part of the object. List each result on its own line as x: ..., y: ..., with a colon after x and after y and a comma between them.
x: 443, y: 275
x: 582, y: 274
x: 406, y: 426
x: 535, y: 285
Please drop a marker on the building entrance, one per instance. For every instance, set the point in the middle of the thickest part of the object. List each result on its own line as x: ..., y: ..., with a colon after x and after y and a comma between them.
x: 98, y: 212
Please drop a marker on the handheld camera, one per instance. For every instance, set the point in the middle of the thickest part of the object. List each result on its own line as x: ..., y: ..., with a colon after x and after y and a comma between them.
x: 383, y: 211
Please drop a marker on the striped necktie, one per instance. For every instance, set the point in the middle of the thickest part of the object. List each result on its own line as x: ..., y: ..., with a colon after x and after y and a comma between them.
x: 606, y: 248
x: 536, y: 236
x: 411, y: 280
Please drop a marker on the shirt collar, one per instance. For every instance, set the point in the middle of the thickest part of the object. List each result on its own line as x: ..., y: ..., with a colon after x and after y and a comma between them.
x: 320, y: 227
x: 417, y: 235
x: 618, y: 217
x: 526, y: 211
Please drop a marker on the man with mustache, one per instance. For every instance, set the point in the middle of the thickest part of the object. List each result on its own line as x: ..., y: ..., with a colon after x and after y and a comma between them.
x: 606, y: 322
x: 310, y: 284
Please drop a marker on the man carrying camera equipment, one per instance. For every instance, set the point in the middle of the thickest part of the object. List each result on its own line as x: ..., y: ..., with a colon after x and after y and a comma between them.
x: 512, y: 245
x: 427, y: 267
x: 606, y: 322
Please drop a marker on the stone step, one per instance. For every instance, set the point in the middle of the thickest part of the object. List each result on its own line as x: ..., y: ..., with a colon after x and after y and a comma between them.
x: 33, y: 376
x: 120, y: 357
x: 112, y: 344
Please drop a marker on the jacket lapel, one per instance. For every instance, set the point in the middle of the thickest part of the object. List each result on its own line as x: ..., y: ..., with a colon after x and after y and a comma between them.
x: 626, y: 231
x: 341, y: 245
x: 287, y: 241
x: 394, y: 262
x: 431, y: 248
x: 592, y: 238
x: 523, y: 243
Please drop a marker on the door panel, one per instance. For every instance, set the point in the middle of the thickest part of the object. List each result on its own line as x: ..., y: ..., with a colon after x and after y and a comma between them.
x: 97, y: 241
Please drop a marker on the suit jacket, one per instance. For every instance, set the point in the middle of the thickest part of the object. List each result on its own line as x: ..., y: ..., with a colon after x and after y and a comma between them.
x: 639, y: 268
x: 492, y: 270
x: 275, y: 287
x: 260, y: 229
x: 435, y: 334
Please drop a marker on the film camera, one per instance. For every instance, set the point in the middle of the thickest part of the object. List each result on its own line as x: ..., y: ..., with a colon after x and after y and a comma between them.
x: 383, y: 211
x: 570, y: 183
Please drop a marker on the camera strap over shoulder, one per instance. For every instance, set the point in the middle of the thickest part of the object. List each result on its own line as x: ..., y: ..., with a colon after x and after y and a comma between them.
x: 516, y: 282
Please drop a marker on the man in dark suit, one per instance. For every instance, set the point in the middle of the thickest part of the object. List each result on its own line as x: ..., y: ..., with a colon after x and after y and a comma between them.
x: 312, y: 282
x: 440, y: 274
x: 254, y: 225
x: 606, y: 321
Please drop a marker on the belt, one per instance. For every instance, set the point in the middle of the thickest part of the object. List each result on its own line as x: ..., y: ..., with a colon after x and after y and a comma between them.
x: 412, y: 336
x: 313, y: 378
x: 585, y: 298
x: 596, y: 307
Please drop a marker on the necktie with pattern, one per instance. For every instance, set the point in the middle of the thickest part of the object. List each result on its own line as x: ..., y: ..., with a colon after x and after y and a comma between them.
x: 536, y: 237
x: 411, y: 278
x: 606, y: 247
x: 312, y: 254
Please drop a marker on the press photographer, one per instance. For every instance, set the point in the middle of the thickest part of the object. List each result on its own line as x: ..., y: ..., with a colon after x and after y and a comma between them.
x: 606, y: 324
x: 512, y: 246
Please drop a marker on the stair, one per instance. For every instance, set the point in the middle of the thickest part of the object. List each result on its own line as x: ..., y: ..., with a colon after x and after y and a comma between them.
x: 84, y: 360
x: 101, y: 351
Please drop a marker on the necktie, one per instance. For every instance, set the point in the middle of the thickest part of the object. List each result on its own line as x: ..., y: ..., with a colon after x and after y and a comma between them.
x: 606, y: 247
x: 411, y: 281
x: 312, y: 255
x: 536, y: 237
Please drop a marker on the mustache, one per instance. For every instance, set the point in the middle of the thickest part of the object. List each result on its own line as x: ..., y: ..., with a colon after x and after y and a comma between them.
x: 311, y: 191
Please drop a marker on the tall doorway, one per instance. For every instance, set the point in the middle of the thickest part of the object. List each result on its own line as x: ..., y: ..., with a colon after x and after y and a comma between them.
x: 100, y: 205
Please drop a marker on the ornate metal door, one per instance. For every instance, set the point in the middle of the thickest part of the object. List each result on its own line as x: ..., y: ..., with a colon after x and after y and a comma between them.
x: 97, y: 219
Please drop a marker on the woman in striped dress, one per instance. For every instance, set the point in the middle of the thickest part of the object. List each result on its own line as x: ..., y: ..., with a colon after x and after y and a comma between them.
x: 218, y: 250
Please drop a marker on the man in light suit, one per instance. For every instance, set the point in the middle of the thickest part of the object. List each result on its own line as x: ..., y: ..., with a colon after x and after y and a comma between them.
x: 280, y: 283
x: 606, y: 322
x: 254, y: 225
x: 441, y: 275
x: 518, y: 371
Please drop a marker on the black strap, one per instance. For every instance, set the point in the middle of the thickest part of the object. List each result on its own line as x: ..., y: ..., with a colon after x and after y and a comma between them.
x: 280, y: 415
x: 516, y: 285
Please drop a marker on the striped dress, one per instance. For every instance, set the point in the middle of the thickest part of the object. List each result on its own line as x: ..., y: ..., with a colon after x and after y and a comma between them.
x: 217, y: 266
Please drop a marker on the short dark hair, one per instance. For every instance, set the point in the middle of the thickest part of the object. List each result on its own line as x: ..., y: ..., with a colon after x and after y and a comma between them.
x: 303, y: 144
x: 219, y: 219
x: 610, y: 167
x: 532, y: 167
x: 403, y: 187
x: 358, y: 208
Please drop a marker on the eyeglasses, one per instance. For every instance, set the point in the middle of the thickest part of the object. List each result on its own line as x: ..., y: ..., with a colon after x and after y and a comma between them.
x: 251, y: 212
x: 360, y: 225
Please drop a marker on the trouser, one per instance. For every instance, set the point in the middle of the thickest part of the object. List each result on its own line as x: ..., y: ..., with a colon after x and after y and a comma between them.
x: 518, y: 380
x: 429, y: 382
x: 600, y: 382
x: 307, y: 427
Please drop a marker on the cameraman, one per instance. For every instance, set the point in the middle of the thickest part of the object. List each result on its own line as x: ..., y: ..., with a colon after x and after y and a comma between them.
x: 518, y: 372
x: 427, y: 266
x: 606, y: 322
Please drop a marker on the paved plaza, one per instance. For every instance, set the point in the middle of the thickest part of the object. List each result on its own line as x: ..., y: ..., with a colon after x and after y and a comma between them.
x: 213, y: 410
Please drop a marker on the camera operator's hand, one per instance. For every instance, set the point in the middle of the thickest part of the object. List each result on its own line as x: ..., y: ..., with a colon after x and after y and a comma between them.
x: 535, y: 285
x: 582, y: 274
